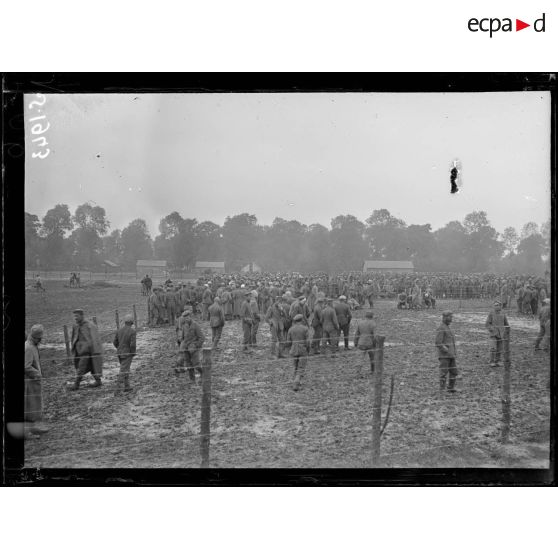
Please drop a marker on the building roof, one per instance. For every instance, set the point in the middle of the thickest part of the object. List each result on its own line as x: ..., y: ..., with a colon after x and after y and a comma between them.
x: 383, y: 264
x: 211, y: 264
x: 151, y: 263
x: 110, y: 264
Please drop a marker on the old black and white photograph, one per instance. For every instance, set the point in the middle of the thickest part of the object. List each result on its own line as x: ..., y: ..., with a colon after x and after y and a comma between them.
x: 294, y: 280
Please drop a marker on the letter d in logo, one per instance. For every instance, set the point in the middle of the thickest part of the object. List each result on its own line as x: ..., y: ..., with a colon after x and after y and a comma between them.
x: 540, y: 21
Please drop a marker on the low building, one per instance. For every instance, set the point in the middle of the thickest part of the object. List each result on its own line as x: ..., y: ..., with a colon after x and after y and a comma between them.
x: 110, y: 267
x: 153, y: 268
x: 251, y: 267
x: 384, y: 266
x: 214, y: 267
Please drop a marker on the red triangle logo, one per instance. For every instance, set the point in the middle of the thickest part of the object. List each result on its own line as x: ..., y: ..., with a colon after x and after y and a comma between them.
x: 519, y: 25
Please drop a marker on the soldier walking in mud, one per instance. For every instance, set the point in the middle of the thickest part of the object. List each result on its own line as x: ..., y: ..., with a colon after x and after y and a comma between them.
x: 191, y: 340
x: 498, y: 328
x: 125, y: 343
x: 298, y: 341
x: 216, y: 321
x: 364, y: 338
x: 87, y: 350
x: 445, y: 343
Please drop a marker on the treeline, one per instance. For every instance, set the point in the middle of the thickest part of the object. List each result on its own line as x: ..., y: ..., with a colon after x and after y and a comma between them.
x: 61, y: 240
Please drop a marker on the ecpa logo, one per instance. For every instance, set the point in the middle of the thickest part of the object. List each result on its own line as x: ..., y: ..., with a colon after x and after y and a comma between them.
x: 494, y: 24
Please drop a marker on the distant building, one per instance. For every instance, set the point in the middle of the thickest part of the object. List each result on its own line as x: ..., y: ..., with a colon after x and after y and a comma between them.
x: 388, y: 266
x: 215, y: 267
x: 252, y: 266
x: 110, y: 267
x: 153, y: 268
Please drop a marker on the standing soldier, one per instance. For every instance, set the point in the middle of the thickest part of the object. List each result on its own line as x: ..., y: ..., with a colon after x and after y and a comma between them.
x: 330, y: 327
x: 344, y: 318
x: 316, y: 323
x: 191, y: 342
x: 276, y: 317
x: 247, y: 316
x: 171, y: 304
x: 33, y: 402
x: 364, y: 337
x: 216, y: 321
x: 445, y: 343
x: 298, y: 341
x: 299, y: 306
x: 154, y: 308
x: 544, y: 331
x: 226, y: 301
x: 162, y: 305
x: 498, y: 328
x: 207, y: 301
x: 125, y: 343
x: 87, y: 350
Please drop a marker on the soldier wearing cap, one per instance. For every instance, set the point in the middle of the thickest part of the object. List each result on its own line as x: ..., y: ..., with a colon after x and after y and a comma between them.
x: 154, y: 308
x: 250, y: 315
x: 498, y: 328
x: 87, y: 350
x: 125, y: 343
x: 344, y: 318
x: 298, y: 341
x: 299, y: 306
x: 191, y: 340
x: 317, y: 324
x: 216, y: 321
x: 445, y: 343
x: 276, y: 318
x: 544, y: 326
x: 364, y: 337
x: 330, y: 327
x: 33, y: 401
x: 207, y: 301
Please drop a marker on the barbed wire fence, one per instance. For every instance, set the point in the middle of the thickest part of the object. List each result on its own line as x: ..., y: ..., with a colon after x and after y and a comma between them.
x: 377, y: 412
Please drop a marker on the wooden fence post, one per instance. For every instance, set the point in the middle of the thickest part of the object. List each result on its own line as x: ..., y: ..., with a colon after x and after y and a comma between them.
x: 135, y: 316
x: 506, y: 398
x: 67, y: 342
x: 377, y: 409
x: 205, y: 408
x: 117, y: 319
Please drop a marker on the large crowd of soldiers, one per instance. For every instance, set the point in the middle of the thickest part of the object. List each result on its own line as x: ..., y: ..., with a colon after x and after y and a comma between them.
x: 311, y: 314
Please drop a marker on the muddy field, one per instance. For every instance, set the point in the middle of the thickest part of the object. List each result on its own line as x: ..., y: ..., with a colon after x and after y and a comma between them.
x: 257, y: 420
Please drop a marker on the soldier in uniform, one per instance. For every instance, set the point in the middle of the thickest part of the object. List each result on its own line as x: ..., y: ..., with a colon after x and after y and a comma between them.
x: 445, y: 343
x: 330, y: 326
x: 298, y: 341
x: 316, y: 323
x: 87, y: 350
x: 216, y: 321
x: 125, y: 343
x: 498, y: 327
x: 207, y: 300
x: 276, y: 317
x: 344, y: 318
x: 191, y: 342
x: 544, y: 330
x: 364, y: 337
x: 299, y: 306
x: 33, y: 401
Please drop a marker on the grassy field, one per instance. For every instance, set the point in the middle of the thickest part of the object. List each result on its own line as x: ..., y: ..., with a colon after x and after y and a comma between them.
x: 257, y: 420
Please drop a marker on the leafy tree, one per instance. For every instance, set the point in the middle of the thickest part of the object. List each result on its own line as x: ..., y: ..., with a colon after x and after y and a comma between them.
x: 112, y: 246
x: 450, y: 247
x: 209, y: 240
x: 32, y: 241
x: 483, y: 249
x: 348, y: 246
x: 530, y: 252
x: 420, y: 246
x: 529, y: 229
x: 545, y: 233
x: 240, y: 234
x: 177, y: 241
x: 91, y: 223
x: 136, y: 243
x: 386, y: 236
x: 510, y: 239
x: 56, y: 223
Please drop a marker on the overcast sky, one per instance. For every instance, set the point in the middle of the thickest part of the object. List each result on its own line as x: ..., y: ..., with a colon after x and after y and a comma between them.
x: 308, y: 157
